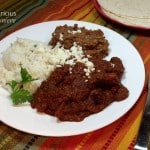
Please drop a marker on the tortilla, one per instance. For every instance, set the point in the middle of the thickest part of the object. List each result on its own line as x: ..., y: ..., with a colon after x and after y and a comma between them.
x: 127, y: 8
x: 129, y: 20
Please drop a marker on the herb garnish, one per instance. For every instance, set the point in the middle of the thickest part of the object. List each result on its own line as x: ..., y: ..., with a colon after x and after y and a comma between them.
x: 20, y: 95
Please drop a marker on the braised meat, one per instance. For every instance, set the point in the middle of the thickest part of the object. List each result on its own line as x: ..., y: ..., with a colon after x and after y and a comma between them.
x: 73, y: 95
x: 91, y: 41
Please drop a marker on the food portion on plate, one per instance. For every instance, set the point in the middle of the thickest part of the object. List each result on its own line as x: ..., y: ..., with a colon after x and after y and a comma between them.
x: 69, y: 77
x: 132, y: 13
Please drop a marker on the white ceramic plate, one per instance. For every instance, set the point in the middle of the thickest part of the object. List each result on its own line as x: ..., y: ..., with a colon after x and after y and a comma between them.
x: 140, y: 24
x: 26, y: 119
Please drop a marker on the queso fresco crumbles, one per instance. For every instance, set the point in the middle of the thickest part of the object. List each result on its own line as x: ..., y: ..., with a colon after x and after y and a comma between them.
x: 69, y: 78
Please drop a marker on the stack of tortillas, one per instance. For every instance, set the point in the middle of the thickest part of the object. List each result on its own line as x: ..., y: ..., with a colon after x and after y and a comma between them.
x: 132, y: 12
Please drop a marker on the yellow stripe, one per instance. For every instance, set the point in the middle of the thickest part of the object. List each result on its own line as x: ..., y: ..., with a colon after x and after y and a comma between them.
x: 91, y: 16
x: 132, y: 132
x: 82, y: 12
x: 147, y: 58
x: 99, y: 20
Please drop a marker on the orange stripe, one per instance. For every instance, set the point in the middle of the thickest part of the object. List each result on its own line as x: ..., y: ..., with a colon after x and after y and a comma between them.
x: 82, y: 143
x: 139, y: 41
x: 61, y: 11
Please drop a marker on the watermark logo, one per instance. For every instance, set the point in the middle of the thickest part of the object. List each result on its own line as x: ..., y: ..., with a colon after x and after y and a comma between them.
x: 7, y: 17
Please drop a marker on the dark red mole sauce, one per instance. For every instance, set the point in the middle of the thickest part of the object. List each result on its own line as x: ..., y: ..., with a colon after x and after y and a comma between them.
x: 74, y: 96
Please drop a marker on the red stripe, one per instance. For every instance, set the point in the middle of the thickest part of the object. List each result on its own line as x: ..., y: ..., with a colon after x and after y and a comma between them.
x: 46, y: 145
x: 131, y: 145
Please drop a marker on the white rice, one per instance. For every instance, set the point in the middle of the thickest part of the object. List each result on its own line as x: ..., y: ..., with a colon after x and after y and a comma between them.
x: 32, y: 55
x: 39, y: 59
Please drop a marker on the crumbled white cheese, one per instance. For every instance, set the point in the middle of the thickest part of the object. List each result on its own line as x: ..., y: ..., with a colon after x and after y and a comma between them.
x: 70, y: 70
x: 75, y: 31
x: 86, y: 80
x: 61, y: 36
x: 77, y: 55
x: 113, y: 65
x: 60, y: 56
x: 88, y: 56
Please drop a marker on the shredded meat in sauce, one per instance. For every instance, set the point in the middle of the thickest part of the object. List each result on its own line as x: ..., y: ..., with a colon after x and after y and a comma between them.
x: 74, y: 96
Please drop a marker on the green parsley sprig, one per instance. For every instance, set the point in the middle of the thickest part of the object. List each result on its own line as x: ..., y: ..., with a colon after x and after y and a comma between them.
x: 20, y: 95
